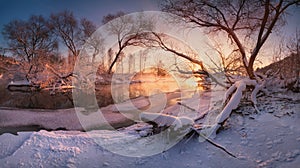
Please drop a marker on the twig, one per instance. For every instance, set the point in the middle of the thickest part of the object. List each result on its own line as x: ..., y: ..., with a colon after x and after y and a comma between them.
x: 212, y: 142
x: 190, y: 137
x: 57, y: 73
x: 186, y: 106
x: 215, y: 144
x: 201, y: 116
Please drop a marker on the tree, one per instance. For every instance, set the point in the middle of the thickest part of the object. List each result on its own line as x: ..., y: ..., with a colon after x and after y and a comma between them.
x: 245, y: 19
x: 29, y: 39
x: 153, y: 39
x: 131, y: 63
x: 294, y: 43
x: 121, y: 61
x: 247, y: 24
x: 2, y: 51
x: 32, y: 41
x: 229, y: 63
x: 73, y: 33
x: 294, y: 49
x: 110, y: 54
x: 128, y: 30
x: 143, y: 59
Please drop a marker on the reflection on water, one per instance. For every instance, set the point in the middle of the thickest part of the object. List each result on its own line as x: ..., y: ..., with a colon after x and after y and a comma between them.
x: 44, y: 99
x: 123, y: 92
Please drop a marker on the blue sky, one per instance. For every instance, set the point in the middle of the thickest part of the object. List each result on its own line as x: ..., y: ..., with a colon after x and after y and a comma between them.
x: 92, y: 9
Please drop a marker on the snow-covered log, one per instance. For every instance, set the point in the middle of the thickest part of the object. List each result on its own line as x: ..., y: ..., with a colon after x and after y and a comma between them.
x: 23, y: 85
x: 231, y: 103
x: 163, y: 120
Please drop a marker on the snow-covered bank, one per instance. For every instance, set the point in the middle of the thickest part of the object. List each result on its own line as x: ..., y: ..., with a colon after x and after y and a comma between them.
x: 267, y: 139
x: 116, y: 115
x: 67, y: 119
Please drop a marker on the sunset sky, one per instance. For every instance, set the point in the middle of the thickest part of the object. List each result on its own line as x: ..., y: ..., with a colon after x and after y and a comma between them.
x: 94, y: 10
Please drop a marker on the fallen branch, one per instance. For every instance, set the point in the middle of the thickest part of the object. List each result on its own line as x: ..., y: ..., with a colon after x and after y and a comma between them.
x: 231, y: 101
x: 186, y: 106
x: 57, y: 73
x: 162, y: 120
x: 217, y: 145
x: 202, y: 72
x: 59, y: 87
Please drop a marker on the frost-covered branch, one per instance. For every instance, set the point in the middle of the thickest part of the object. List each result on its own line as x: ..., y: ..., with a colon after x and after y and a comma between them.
x: 232, y: 102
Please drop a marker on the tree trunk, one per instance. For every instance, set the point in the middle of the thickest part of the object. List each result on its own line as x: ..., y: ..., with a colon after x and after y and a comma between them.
x: 114, y: 62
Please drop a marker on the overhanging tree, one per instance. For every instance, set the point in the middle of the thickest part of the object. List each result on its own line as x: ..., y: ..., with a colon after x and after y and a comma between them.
x: 248, y: 25
x: 239, y: 19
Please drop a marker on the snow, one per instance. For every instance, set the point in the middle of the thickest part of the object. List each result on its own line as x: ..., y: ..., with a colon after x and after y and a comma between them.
x: 236, y: 90
x: 234, y: 101
x: 130, y: 105
x: 61, y: 119
x: 270, y: 138
x: 167, y: 120
x: 20, y: 83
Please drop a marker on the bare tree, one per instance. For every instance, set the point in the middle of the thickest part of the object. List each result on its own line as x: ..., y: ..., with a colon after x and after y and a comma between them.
x: 131, y: 62
x: 73, y: 33
x: 230, y: 64
x: 143, y: 59
x: 153, y: 39
x: 29, y: 39
x: 32, y: 41
x: 294, y: 43
x: 128, y: 31
x: 294, y: 48
x: 87, y: 28
x: 278, y: 52
x: 90, y: 38
x: 3, y: 51
x: 120, y: 61
x: 241, y: 20
x: 110, y: 54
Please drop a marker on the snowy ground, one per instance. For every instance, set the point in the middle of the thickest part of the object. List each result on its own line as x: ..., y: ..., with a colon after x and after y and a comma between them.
x: 270, y: 138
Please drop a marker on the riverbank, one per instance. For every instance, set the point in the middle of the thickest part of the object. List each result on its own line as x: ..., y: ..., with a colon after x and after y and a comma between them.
x: 13, y: 120
x: 269, y: 138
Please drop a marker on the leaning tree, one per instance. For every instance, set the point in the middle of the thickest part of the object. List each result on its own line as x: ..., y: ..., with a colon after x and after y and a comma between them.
x: 246, y: 23
x: 127, y: 30
x: 239, y: 19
